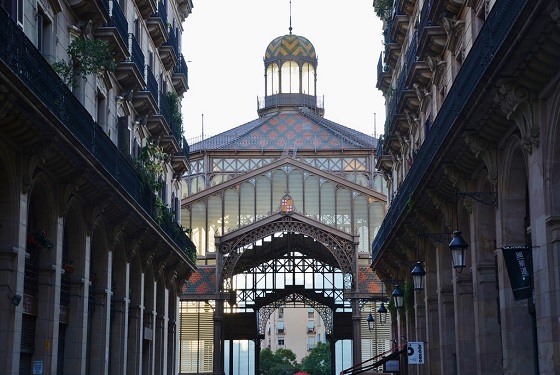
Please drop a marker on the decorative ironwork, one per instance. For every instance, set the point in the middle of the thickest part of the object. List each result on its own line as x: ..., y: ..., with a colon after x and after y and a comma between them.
x: 487, y: 198
x: 342, y: 249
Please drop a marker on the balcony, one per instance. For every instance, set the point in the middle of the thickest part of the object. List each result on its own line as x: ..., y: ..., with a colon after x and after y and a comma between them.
x: 130, y: 73
x: 169, y: 51
x: 383, y: 75
x: 115, y: 31
x: 180, y: 76
x: 431, y: 36
x: 24, y: 65
x: 95, y: 10
x: 171, y: 137
x: 146, y: 7
x: 158, y: 123
x: 157, y: 24
x: 180, y: 161
x: 145, y: 100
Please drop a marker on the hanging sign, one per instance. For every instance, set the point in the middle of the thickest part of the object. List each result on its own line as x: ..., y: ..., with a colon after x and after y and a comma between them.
x: 415, y: 353
x: 519, y: 261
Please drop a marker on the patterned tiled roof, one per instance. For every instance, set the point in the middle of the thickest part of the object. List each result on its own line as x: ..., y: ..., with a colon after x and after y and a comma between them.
x: 290, y: 45
x: 288, y: 130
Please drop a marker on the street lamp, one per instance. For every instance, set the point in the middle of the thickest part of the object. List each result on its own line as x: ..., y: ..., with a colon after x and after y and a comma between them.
x: 382, y: 313
x: 458, y: 247
x: 398, y: 296
x: 418, y: 274
x: 370, y: 322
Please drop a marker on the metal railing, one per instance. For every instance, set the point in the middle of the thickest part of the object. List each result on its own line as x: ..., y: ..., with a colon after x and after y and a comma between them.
x: 181, y: 68
x: 27, y: 64
x: 172, y: 41
x: 136, y: 54
x: 151, y: 83
x: 492, y: 35
x: 424, y: 16
x: 162, y: 11
x: 118, y: 20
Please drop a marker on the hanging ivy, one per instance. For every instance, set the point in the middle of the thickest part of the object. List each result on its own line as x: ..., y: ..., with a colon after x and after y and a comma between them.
x: 176, y: 116
x: 150, y: 166
x: 86, y: 56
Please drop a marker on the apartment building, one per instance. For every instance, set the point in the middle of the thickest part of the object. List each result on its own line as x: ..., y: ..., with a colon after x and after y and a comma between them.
x: 91, y: 156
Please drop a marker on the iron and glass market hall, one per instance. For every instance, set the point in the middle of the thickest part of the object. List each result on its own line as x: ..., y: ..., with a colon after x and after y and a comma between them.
x: 282, y: 210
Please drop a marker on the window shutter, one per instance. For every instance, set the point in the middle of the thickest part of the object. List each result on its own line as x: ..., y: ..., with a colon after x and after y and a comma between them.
x: 124, y: 135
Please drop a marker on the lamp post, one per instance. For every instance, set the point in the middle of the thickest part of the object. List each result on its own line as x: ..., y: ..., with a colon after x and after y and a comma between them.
x: 370, y: 322
x: 418, y: 274
x: 458, y: 247
x: 398, y: 296
x: 382, y: 311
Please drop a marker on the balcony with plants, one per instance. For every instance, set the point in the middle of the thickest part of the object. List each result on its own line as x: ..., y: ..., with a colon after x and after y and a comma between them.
x: 32, y: 76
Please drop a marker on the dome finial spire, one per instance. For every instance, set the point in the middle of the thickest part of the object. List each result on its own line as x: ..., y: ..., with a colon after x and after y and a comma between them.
x: 290, y: 17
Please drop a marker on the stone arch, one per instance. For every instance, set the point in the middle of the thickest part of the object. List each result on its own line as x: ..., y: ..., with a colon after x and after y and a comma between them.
x: 518, y: 354
x: 552, y: 156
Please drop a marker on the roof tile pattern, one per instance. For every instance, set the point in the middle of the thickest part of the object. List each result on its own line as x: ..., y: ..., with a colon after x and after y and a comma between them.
x: 300, y: 130
x: 290, y: 45
x: 203, y: 281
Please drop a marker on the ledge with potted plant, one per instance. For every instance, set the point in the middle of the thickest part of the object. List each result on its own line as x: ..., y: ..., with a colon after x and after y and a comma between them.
x: 38, y: 240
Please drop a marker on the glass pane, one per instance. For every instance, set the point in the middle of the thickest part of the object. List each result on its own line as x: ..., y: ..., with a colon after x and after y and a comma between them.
x: 312, y: 197
x: 279, y: 186
x: 272, y: 79
x: 308, y: 79
x: 263, y: 197
x: 295, y: 187
x: 344, y: 210
x: 376, y: 214
x: 247, y: 204
x: 198, y: 234
x: 327, y: 203
x: 231, y: 210
x: 361, y: 223
x: 214, y: 220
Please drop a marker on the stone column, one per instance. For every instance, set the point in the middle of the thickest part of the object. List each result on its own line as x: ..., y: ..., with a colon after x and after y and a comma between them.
x: 135, y: 325
x: 446, y: 309
x: 420, y: 334
x: 219, y: 339
x: 119, y: 332
x: 464, y: 323
x: 356, y: 332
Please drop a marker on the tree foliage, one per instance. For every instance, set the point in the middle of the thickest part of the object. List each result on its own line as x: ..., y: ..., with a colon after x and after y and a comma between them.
x: 281, y: 362
x: 318, y: 362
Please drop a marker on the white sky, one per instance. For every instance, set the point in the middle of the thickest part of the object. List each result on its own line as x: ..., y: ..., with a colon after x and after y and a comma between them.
x: 225, y: 42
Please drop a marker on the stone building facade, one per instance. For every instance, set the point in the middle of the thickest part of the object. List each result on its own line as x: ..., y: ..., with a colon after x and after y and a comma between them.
x: 92, y: 256
x: 470, y: 146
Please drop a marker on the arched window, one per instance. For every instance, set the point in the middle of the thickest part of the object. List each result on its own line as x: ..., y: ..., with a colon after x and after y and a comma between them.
x: 272, y: 79
x: 290, y: 77
x: 308, y: 79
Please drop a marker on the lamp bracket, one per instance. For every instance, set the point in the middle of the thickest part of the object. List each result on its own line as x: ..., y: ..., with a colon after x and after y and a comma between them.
x: 487, y: 198
x: 438, y: 237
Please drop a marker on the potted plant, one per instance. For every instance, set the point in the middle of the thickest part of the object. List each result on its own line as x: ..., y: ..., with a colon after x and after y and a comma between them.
x: 39, y: 240
x: 86, y: 56
x: 68, y: 267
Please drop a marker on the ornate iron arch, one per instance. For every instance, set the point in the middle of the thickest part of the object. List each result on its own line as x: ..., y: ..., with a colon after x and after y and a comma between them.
x: 302, y: 297
x: 342, y: 249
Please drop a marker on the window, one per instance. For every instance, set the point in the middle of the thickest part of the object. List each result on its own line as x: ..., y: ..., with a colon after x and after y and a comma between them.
x: 310, y: 312
x: 272, y: 79
x: 101, y: 116
x: 280, y: 341
x: 280, y: 327
x: 280, y: 312
x: 311, y: 343
x: 310, y: 326
x: 290, y: 77
x: 14, y: 9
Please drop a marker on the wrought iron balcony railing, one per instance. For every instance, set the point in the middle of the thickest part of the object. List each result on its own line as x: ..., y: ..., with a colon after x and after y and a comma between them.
x: 173, y: 42
x: 181, y: 68
x: 118, y: 20
x: 151, y: 83
x: 27, y: 64
x: 424, y: 16
x: 136, y: 54
x: 162, y: 11
x: 492, y: 34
